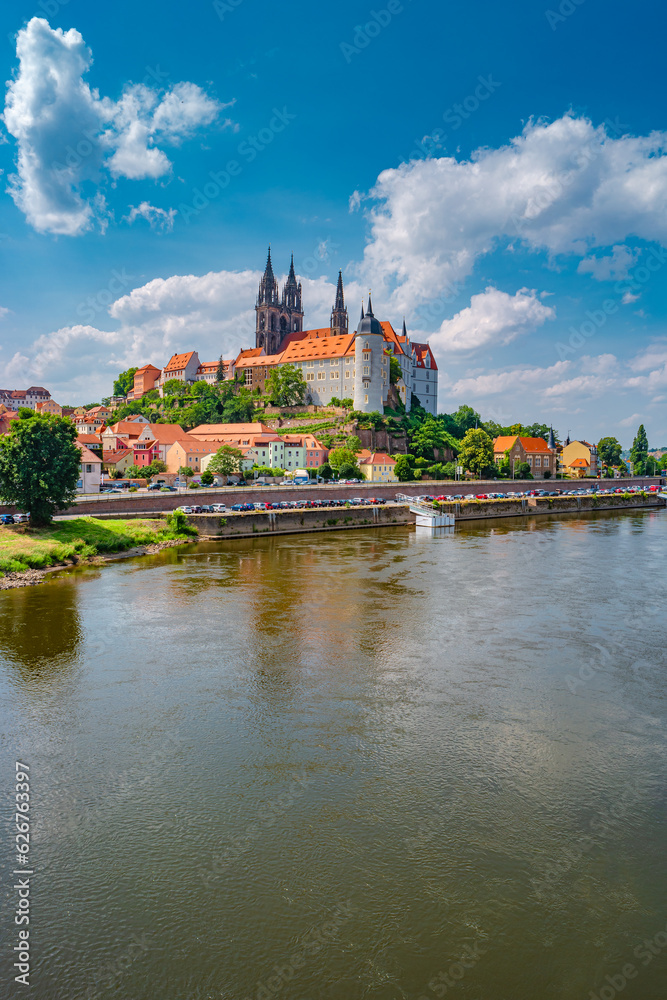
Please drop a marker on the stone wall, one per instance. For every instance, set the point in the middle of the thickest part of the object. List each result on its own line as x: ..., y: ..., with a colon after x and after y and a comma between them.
x: 283, y: 522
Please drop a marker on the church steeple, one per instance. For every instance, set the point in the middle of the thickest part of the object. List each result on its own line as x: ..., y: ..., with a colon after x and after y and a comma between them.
x: 339, y: 320
x: 268, y: 286
x: 405, y: 329
x: 292, y: 294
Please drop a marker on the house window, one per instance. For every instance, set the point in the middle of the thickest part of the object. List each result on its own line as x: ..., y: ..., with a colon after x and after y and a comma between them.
x: 310, y: 377
x: 538, y: 462
x: 347, y: 373
x: 366, y: 370
x: 365, y: 399
x: 335, y: 374
x: 321, y: 375
x: 310, y: 363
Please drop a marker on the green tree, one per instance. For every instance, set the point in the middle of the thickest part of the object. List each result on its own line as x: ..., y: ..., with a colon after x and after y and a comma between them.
x: 40, y: 465
x: 226, y: 461
x: 523, y: 471
x: 350, y: 471
x: 135, y: 472
x: 325, y: 471
x: 353, y: 444
x: 220, y: 371
x: 186, y: 471
x: 403, y: 469
x: 124, y: 382
x: 156, y: 467
x: 639, y: 451
x: 286, y: 386
x: 476, y: 452
x: 207, y: 477
x: 348, y: 403
x: 431, y: 435
x: 340, y: 457
x: 335, y: 401
x: 466, y: 419
x: 395, y: 371
x: 609, y: 451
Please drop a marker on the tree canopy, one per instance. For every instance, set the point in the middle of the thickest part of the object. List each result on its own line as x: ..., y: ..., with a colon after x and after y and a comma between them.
x: 609, y: 451
x: 639, y: 450
x: 476, y: 452
x: 40, y: 465
x: 286, y: 386
x: 226, y: 461
x: 124, y: 382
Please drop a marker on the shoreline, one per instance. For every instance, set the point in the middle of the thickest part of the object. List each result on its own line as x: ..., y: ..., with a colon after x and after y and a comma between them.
x: 32, y: 577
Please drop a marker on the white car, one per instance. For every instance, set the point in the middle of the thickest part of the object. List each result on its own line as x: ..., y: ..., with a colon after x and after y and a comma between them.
x: 185, y: 510
x: 218, y: 508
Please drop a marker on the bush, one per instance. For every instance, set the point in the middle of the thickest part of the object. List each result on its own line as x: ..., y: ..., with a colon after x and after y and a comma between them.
x: 178, y: 524
x: 192, y: 485
x: 132, y: 489
x: 547, y: 473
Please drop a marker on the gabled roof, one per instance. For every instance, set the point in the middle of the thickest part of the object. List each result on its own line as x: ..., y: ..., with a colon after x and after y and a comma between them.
x: 376, y: 458
x: 126, y: 427
x: 215, y: 431
x: 166, y: 433
x: 148, y: 368
x: 88, y: 456
x: 178, y: 361
x: 504, y: 443
x: 111, y: 457
x: 391, y: 335
x: 533, y: 445
x: 579, y: 463
x: 422, y: 351
x: 89, y: 439
x: 312, y: 348
x: 255, y: 352
x: 260, y: 361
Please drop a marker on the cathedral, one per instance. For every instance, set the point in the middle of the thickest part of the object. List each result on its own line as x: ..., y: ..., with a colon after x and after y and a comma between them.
x: 336, y: 363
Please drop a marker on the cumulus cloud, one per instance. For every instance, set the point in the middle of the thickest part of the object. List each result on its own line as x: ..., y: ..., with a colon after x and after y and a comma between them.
x: 3, y: 312
x: 492, y: 318
x: 566, y: 187
x: 512, y: 381
x: 211, y: 313
x: 630, y: 421
x: 160, y: 219
x: 613, y: 267
x: 68, y: 136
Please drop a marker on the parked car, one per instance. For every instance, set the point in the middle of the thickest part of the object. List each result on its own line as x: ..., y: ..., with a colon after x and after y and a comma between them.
x: 240, y: 507
x: 6, y: 519
x: 154, y: 486
x: 168, y: 489
x: 185, y: 510
x: 21, y: 518
x: 218, y: 508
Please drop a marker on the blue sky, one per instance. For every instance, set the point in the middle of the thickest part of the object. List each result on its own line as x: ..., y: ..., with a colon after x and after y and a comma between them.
x: 494, y: 172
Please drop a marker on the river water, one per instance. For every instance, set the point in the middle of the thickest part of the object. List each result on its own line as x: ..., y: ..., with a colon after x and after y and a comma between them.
x: 361, y: 764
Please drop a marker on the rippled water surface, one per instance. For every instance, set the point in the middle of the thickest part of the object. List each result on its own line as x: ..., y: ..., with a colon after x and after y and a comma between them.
x: 363, y: 764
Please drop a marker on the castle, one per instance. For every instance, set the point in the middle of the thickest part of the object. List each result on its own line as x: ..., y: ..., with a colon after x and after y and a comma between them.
x: 336, y: 363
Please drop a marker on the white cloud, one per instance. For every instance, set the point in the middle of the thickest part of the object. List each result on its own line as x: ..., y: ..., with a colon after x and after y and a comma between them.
x: 630, y: 421
x: 566, y: 187
x: 159, y: 219
x: 611, y: 268
x: 492, y: 318
x: 512, y: 381
x: 3, y: 312
x: 68, y: 136
x: 211, y: 313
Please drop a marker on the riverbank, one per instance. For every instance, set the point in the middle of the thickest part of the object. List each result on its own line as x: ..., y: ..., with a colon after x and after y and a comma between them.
x: 28, y: 553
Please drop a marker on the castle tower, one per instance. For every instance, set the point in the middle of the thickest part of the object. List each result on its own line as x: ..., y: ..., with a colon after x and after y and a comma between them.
x: 368, y: 355
x: 267, y: 327
x: 339, y: 320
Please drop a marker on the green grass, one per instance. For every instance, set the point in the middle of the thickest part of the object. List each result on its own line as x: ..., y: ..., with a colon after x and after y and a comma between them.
x: 23, y: 547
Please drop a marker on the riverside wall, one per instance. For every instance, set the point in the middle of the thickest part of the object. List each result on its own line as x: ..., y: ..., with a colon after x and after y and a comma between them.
x: 155, y: 502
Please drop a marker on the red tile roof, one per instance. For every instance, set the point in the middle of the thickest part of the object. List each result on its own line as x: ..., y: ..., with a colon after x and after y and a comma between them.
x: 179, y: 361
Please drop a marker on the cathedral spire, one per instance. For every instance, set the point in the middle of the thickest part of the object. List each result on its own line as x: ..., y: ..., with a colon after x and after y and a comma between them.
x: 369, y: 312
x: 362, y: 310
x: 405, y: 329
x: 291, y: 277
x: 268, y: 270
x: 339, y: 320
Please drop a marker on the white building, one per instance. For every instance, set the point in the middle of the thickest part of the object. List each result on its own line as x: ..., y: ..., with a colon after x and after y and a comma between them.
x: 91, y: 472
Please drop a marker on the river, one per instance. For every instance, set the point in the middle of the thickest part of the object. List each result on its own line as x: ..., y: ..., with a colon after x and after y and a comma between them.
x: 360, y: 764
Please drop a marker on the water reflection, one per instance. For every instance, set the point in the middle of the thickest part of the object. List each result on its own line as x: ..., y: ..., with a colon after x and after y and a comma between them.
x: 40, y: 628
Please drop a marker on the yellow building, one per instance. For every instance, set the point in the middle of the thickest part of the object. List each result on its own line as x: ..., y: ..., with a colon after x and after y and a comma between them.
x: 377, y: 467
x: 579, y: 458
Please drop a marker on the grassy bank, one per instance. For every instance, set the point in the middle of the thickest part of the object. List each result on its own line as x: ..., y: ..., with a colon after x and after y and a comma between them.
x: 23, y: 547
